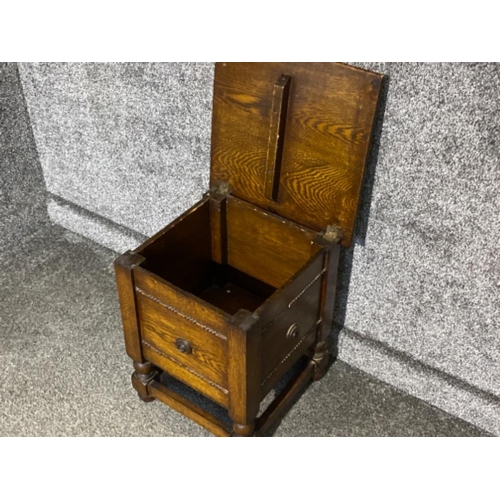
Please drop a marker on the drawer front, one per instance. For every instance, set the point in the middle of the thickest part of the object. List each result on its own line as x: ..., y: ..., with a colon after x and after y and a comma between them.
x: 185, y: 374
x: 172, y: 336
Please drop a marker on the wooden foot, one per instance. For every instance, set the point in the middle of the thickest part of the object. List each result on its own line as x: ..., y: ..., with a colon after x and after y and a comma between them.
x: 243, y: 430
x: 144, y: 373
x: 320, y: 358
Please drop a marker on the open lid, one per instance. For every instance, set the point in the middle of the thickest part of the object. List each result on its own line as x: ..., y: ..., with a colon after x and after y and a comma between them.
x: 293, y: 138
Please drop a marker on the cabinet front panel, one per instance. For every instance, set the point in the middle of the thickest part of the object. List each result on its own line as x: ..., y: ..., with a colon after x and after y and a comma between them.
x: 178, y: 338
x: 187, y: 376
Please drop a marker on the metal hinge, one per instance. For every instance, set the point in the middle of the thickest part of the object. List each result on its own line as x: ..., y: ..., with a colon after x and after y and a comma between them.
x: 333, y: 234
x: 222, y: 188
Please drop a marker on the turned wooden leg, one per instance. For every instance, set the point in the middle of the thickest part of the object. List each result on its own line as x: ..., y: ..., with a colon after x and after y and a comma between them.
x: 143, y: 374
x: 243, y: 430
x: 320, y: 358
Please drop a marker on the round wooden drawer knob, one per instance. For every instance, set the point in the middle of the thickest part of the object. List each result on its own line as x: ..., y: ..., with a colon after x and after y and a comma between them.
x: 183, y: 346
x: 292, y: 332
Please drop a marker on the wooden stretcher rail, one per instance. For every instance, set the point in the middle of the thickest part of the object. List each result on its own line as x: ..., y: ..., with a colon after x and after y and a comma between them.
x: 190, y: 410
x: 276, y: 409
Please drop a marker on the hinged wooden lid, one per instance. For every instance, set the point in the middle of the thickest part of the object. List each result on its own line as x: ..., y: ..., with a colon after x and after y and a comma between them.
x: 293, y: 138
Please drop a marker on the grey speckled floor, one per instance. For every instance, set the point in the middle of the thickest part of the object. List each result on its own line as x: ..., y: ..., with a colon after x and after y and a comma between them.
x: 65, y: 372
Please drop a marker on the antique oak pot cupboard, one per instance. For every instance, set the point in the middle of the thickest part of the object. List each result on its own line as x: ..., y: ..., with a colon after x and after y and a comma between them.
x: 230, y: 295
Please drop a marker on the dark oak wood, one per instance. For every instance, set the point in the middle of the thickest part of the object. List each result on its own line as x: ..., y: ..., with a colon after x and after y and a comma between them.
x: 327, y: 135
x: 277, y: 136
x: 187, y: 375
x: 235, y: 291
x: 183, y: 341
x: 124, y: 266
x: 296, y: 304
x: 231, y: 296
x: 184, y: 304
x: 326, y: 305
x: 167, y: 313
x: 257, y: 241
x: 302, y: 347
x: 244, y: 374
x: 172, y: 255
x: 218, y: 228
x: 159, y: 242
x: 280, y: 404
x: 286, y: 297
x: 143, y: 374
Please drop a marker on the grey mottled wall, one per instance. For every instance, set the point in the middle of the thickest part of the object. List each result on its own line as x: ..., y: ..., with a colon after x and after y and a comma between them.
x: 129, y: 142
x: 23, y: 208
x: 125, y: 148
x: 426, y: 283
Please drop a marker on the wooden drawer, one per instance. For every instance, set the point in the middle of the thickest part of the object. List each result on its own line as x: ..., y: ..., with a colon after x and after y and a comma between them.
x: 181, y: 337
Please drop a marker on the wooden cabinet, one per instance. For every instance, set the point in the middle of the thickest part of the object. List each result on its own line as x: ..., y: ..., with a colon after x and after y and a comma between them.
x: 228, y: 297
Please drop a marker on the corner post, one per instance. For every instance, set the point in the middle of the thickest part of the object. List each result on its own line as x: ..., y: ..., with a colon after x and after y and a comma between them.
x: 144, y: 371
x: 331, y: 241
x: 218, y: 221
x: 244, y: 374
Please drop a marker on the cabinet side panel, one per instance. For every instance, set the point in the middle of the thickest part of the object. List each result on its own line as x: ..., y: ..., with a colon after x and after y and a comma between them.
x: 283, y: 335
x: 288, y: 322
x: 301, y: 349
x: 181, y: 253
x: 264, y: 245
x: 289, y: 294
